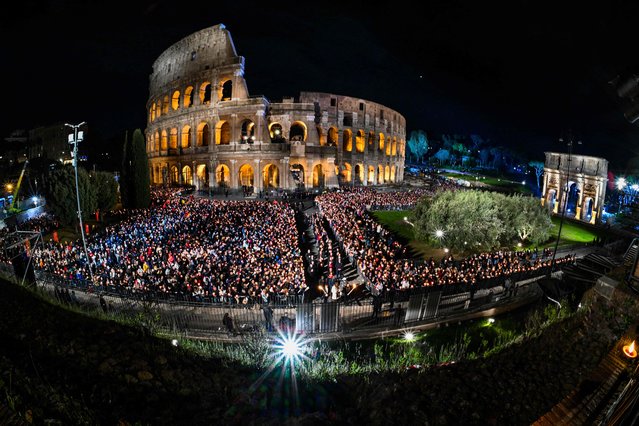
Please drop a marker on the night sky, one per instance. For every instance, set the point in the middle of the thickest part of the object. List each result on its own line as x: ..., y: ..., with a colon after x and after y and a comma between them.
x: 520, y: 74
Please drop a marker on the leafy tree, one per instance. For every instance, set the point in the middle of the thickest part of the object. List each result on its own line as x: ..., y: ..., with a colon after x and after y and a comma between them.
x: 135, y: 182
x: 59, y: 190
x: 539, y: 169
x: 443, y: 155
x: 106, y: 189
x: 418, y: 144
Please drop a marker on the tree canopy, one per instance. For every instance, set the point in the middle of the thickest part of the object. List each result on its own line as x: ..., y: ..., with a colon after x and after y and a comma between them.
x: 106, y: 189
x: 135, y: 181
x: 480, y: 220
x: 59, y: 190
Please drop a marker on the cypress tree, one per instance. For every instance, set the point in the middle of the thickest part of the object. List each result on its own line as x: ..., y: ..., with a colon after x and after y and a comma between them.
x: 135, y: 182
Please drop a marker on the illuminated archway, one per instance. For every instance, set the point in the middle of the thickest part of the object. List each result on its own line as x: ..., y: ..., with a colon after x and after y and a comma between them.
x: 175, y: 101
x: 321, y: 137
x: 380, y: 174
x: 188, y: 97
x: 153, y: 107
x: 186, y: 137
x: 246, y: 175
x: 381, y: 142
x: 205, y: 93
x: 222, y: 133
x: 318, y: 176
x: 248, y: 131
x: 164, y: 142
x: 360, y: 141
x: 173, y: 138
x: 156, y: 141
x: 297, y: 132
x: 203, y: 134
x: 347, y: 140
x: 359, y: 174
x: 394, y: 147
x: 271, y: 176
x: 174, y: 174
x: 371, y: 141
x: 392, y: 174
x: 297, y: 172
x: 346, y: 173
x: 388, y: 147
x: 387, y: 174
x: 275, y: 131
x: 226, y: 91
x: 371, y: 175
x: 187, y: 175
x: 333, y: 136
x: 165, y: 105
x: 223, y: 176
x: 202, y: 173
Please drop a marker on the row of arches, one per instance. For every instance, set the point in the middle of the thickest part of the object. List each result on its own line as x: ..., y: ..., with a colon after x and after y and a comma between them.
x: 571, y: 198
x: 271, y: 175
x: 201, y: 94
x: 298, y: 132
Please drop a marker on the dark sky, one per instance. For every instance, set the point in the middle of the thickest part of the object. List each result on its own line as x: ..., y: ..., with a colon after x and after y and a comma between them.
x: 521, y: 74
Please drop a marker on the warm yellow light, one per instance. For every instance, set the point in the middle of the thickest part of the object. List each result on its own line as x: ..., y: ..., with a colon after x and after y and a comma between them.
x: 630, y: 351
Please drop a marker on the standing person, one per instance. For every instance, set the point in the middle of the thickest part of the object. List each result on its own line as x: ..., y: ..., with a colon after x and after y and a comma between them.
x: 268, y: 317
x: 334, y: 292
x: 228, y: 323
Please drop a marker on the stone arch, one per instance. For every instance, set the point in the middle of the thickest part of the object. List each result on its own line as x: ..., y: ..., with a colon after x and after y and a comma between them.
x: 551, y: 199
x: 588, y: 208
x: 387, y: 174
x: 271, y: 177
x: 388, y: 147
x: 165, y: 105
x: 371, y: 141
x: 346, y: 173
x: 157, y: 178
x: 173, y: 138
x: 174, y: 176
x: 276, y: 133
x: 360, y: 141
x: 222, y: 133
x: 359, y: 174
x: 394, y: 147
x: 187, y: 175
x: 321, y: 137
x: 380, y: 174
x: 185, y: 140
x: 205, y: 93
x: 572, y: 198
x: 188, y: 97
x: 175, y: 100
x: 371, y: 175
x: 318, y: 176
x: 202, y: 173
x: 203, y: 134
x: 156, y: 141
x: 347, y: 140
x: 298, y: 132
x: 223, y: 176
x: 248, y: 131
x: 226, y: 90
x: 246, y: 176
x: 164, y: 141
x: 381, y: 142
x: 333, y: 136
x: 152, y: 113
x: 392, y: 174
x: 298, y: 174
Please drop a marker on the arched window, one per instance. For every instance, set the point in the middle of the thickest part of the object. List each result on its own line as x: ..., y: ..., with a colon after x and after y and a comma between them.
x: 174, y: 174
x: 158, y: 111
x: 298, y: 132
x: 248, y: 131
x: 165, y: 105
x: 202, y: 173
x: 381, y: 142
x: 388, y: 147
x: 186, y: 137
x: 223, y: 133
x: 333, y: 136
x: 392, y: 174
x: 175, y: 101
x: 223, y: 175
x: 347, y: 140
x: 346, y: 173
x: 359, y: 174
x: 187, y: 175
x: 188, y: 97
x: 394, y: 147
x: 275, y: 130
x: 153, y: 107
x: 387, y: 174
x: 318, y: 176
x: 371, y: 141
x: 271, y: 178
x: 360, y: 141
x: 321, y: 137
x: 164, y: 143
x: 156, y: 141
x: 227, y: 91
x: 246, y: 175
x: 205, y: 93
x: 380, y: 174
x: 371, y: 175
x: 173, y: 139
x: 203, y: 134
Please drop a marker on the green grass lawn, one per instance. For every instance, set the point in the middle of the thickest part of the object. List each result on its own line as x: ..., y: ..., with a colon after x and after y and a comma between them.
x: 492, y: 181
x: 571, y: 233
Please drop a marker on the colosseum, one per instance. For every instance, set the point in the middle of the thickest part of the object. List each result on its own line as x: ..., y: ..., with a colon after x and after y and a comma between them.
x: 205, y: 130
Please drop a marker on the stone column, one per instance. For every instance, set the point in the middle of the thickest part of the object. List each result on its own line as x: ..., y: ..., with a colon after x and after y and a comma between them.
x: 258, y: 177
x: 234, y: 176
x: 259, y: 124
x: 196, y: 180
x: 285, y: 172
x: 212, y: 178
x: 330, y: 180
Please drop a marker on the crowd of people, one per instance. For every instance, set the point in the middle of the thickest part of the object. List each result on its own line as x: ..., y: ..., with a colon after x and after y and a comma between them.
x: 206, y: 250
x: 385, y: 262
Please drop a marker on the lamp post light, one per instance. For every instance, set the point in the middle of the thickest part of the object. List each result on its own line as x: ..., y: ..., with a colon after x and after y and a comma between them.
x: 75, y: 139
x: 563, y: 210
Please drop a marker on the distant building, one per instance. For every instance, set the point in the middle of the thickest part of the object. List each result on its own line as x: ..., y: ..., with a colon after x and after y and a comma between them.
x: 204, y: 129
x: 579, y: 184
x: 50, y: 142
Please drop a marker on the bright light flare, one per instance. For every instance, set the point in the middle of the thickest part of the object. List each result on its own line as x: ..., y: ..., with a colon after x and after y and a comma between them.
x: 621, y: 183
x: 439, y: 233
x: 409, y: 336
x: 491, y: 320
x: 174, y: 342
x: 289, y: 348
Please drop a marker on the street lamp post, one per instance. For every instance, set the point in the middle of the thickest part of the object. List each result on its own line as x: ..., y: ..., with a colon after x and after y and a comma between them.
x: 563, y: 210
x: 74, y: 140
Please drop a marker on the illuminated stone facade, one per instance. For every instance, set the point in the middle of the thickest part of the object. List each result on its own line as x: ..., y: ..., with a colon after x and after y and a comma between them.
x: 206, y: 130
x: 583, y: 190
